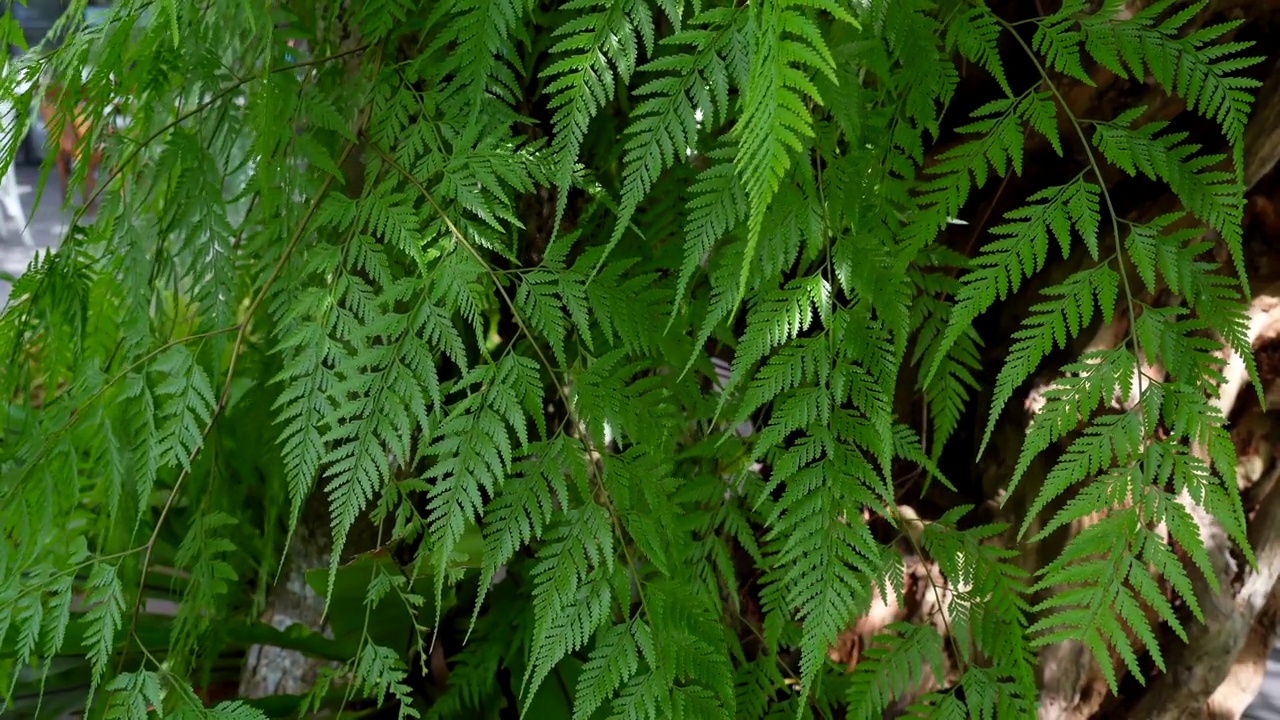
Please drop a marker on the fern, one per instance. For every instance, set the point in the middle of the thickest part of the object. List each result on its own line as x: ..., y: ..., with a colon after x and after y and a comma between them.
x: 900, y: 653
x: 774, y: 116
x: 1212, y: 196
x: 1188, y: 66
x: 689, y: 89
x: 418, y: 324
x: 595, y: 46
x: 613, y: 662
x: 104, y: 619
x: 1052, y: 323
x: 185, y: 395
x: 1005, y: 263
x: 571, y: 598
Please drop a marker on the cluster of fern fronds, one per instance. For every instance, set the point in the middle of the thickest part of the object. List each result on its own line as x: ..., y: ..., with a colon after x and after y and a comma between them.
x: 462, y: 268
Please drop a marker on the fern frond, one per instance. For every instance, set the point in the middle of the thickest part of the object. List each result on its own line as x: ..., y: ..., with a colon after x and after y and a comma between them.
x: 613, y: 661
x: 103, y: 620
x: 1212, y: 195
x: 132, y: 694
x: 775, y: 117
x: 1099, y: 615
x: 1052, y: 324
x: 1087, y: 385
x: 603, y: 39
x: 778, y: 318
x: 1192, y: 65
x: 572, y: 592
x: 185, y: 404
x: 717, y: 203
x: 205, y: 553
x: 1023, y: 250
x: 1110, y: 439
x: 892, y: 665
x: 690, y: 89
x: 474, y: 447
x: 976, y: 33
x: 396, y: 375
x: 382, y: 249
x: 484, y: 29
x: 1000, y: 126
x: 811, y: 539
x: 520, y: 511
x: 378, y: 672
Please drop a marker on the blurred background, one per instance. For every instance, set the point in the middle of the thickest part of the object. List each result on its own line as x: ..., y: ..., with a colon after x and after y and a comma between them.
x: 45, y: 221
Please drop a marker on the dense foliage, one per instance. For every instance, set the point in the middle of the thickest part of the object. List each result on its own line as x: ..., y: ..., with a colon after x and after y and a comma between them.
x: 609, y: 336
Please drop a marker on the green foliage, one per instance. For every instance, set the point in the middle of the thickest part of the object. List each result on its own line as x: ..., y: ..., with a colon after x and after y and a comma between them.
x: 458, y: 285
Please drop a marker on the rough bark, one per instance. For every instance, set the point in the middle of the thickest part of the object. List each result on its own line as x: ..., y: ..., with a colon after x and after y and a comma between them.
x: 271, y: 670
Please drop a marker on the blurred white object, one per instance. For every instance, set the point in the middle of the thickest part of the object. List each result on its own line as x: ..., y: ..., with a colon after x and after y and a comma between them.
x: 10, y: 192
x: 11, y: 203
x: 10, y: 200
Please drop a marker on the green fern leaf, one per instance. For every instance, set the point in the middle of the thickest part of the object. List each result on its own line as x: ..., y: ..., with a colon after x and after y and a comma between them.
x: 690, y: 89
x: 891, y: 665
x: 186, y: 398
x: 103, y: 620
x: 572, y: 592
x: 1051, y: 325
x: 595, y: 44
x: 1214, y: 196
x: 1023, y: 251
x: 775, y: 117
x: 1188, y: 65
x: 613, y: 661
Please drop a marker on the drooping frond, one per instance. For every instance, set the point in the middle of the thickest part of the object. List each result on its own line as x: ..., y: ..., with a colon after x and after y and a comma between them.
x: 404, y: 340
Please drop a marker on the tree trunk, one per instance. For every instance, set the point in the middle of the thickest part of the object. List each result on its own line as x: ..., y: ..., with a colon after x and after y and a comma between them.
x: 271, y: 670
